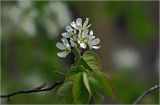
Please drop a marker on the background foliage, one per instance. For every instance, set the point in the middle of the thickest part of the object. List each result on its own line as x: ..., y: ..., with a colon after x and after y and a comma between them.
x: 129, y: 40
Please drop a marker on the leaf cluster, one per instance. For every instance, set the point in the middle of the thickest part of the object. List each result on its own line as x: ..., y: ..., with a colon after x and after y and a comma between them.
x: 84, y: 81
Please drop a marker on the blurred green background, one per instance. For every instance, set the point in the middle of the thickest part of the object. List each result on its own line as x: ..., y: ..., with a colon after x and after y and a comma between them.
x: 129, y: 33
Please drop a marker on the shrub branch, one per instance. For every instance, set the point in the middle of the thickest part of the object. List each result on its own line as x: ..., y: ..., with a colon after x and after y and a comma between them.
x: 37, y: 89
x: 145, y: 93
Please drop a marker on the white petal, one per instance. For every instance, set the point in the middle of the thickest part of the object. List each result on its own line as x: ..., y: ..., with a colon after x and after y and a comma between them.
x: 70, y: 33
x: 60, y: 46
x: 66, y: 35
x: 85, y: 32
x: 91, y: 32
x: 96, y: 47
x: 90, y: 44
x: 79, y: 22
x: 88, y: 26
x: 69, y: 28
x: 83, y: 45
x: 91, y: 37
x: 86, y: 22
x: 63, y: 54
x: 72, y: 43
x: 65, y: 41
x: 95, y: 41
x: 68, y: 47
x: 73, y: 24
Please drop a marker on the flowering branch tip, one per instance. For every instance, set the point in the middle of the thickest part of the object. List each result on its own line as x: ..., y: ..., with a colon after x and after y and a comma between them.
x: 79, y: 36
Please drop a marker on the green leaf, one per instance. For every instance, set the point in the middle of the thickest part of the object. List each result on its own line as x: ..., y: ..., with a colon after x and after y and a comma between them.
x: 83, y: 62
x: 96, y: 90
x: 92, y: 60
x: 86, y: 83
x: 74, y: 70
x: 98, y: 98
x: 76, y: 54
x: 64, y: 93
x: 80, y: 93
x: 64, y: 88
x: 104, y: 83
x: 95, y: 85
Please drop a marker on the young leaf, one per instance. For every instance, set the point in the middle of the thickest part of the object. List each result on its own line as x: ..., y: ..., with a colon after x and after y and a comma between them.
x: 92, y: 60
x: 86, y: 83
x: 98, y: 98
x: 95, y: 85
x: 105, y: 83
x: 83, y: 62
x: 96, y: 90
x: 64, y: 88
x: 80, y: 93
x: 65, y: 92
x: 74, y: 70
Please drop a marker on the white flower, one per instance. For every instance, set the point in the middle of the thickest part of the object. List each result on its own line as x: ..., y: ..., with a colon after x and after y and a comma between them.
x: 65, y: 47
x: 82, y: 38
x: 70, y: 32
x: 69, y: 28
x: 72, y: 42
x: 92, y: 41
x: 78, y: 24
x: 66, y: 35
x: 78, y: 35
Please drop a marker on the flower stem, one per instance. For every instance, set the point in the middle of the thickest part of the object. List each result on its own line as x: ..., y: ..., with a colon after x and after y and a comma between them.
x: 76, y: 54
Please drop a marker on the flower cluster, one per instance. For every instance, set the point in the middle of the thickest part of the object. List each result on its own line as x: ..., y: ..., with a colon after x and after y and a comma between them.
x: 79, y: 36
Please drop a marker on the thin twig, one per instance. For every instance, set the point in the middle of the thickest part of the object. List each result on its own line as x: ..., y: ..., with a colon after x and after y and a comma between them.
x: 146, y: 93
x: 32, y: 90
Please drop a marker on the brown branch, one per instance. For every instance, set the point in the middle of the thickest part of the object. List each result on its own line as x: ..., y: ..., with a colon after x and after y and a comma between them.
x: 146, y: 93
x: 39, y: 89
